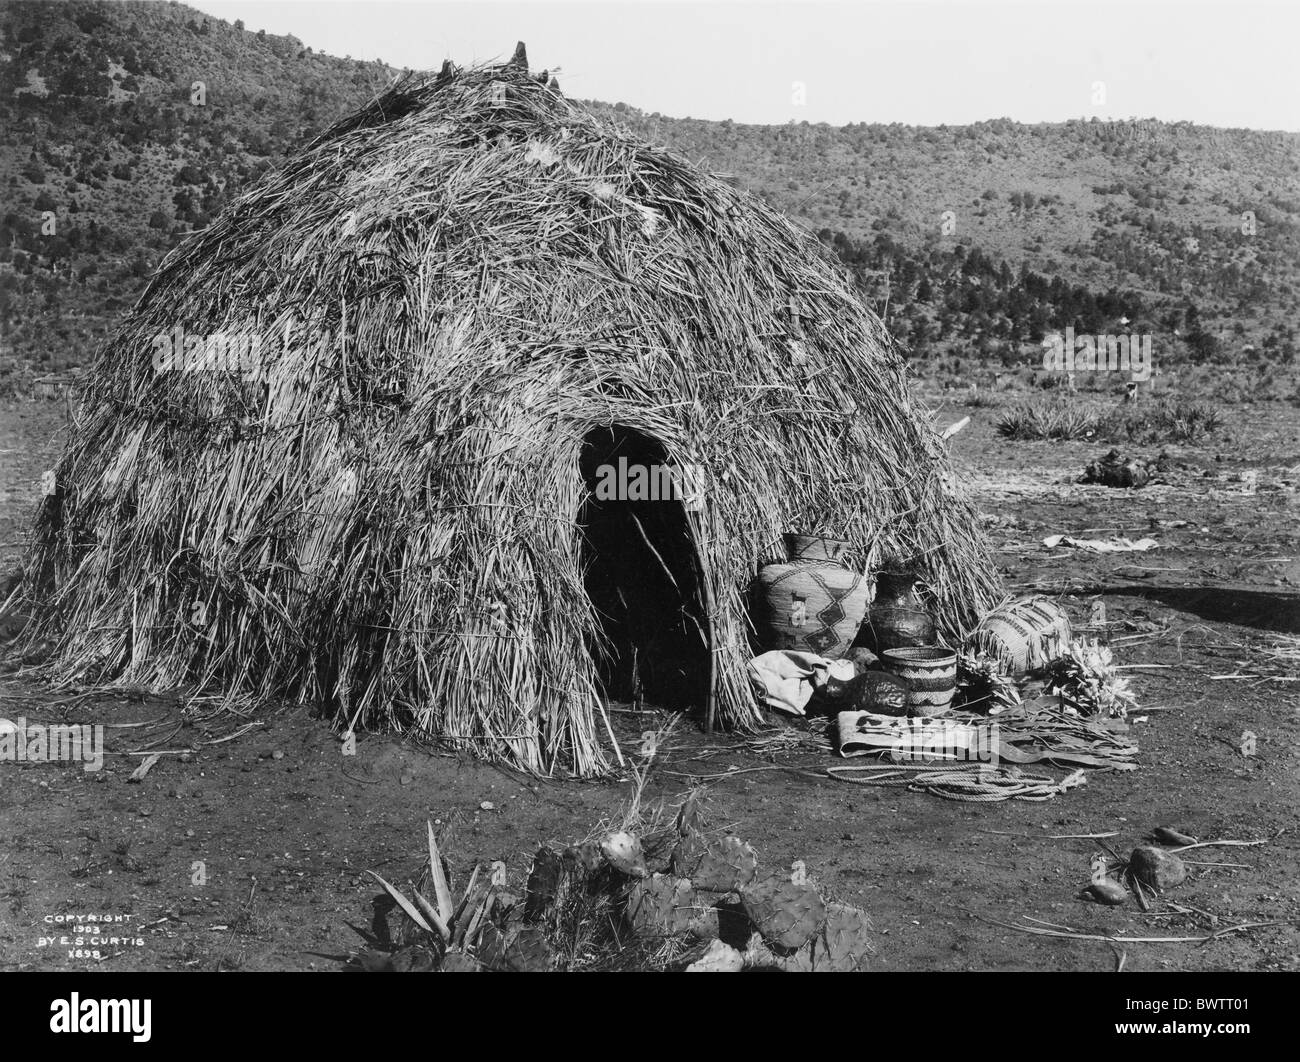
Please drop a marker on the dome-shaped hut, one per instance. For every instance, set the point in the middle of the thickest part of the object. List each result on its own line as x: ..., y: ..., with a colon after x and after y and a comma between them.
x: 353, y: 447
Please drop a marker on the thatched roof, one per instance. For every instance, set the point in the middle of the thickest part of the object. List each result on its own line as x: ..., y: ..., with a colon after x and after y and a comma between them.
x: 451, y: 288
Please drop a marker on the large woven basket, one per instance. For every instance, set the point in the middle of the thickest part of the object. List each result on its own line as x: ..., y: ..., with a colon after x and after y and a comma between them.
x: 1024, y: 635
x: 815, y: 606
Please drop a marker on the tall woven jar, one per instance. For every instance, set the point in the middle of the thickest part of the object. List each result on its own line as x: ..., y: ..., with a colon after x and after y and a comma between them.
x: 810, y: 602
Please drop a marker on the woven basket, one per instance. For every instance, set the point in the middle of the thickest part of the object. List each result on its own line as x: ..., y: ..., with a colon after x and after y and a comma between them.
x: 814, y: 547
x: 930, y: 673
x: 1025, y: 635
x: 815, y: 606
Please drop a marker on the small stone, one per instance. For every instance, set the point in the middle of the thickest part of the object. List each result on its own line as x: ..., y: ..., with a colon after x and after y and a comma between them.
x: 487, y: 805
x: 1157, y: 868
x: 187, y: 757
x: 1111, y: 893
x: 719, y: 958
x: 277, y: 755
x: 406, y: 779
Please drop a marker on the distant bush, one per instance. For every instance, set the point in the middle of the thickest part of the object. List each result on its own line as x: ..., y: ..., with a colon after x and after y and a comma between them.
x: 1165, y: 422
x: 1062, y: 419
x: 1050, y: 419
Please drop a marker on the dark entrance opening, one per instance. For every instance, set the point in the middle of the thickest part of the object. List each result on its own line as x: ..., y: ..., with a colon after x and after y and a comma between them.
x: 642, y: 574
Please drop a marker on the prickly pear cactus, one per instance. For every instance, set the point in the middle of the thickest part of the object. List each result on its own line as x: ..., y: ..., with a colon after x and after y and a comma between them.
x: 844, y: 944
x: 661, y: 905
x: 519, y: 948
x: 788, y: 915
x: 688, y: 853
x: 528, y: 952
x: 704, y: 924
x: 623, y: 852
x: 459, y: 962
x: 800, y: 961
x: 690, y: 817
x: 723, y: 865
x: 586, y: 857
x: 727, y: 864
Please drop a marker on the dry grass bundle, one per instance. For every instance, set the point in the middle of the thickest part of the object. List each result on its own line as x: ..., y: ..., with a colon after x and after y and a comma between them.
x: 361, y: 486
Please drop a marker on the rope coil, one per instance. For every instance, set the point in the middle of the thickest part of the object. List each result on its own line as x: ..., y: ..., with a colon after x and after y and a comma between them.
x: 971, y: 782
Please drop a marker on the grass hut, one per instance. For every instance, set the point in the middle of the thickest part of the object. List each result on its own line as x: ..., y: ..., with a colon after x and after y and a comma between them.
x: 348, y: 447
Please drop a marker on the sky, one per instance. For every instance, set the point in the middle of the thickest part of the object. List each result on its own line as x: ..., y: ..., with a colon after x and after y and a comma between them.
x: 921, y: 62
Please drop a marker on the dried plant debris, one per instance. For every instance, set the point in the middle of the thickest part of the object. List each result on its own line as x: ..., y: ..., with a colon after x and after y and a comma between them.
x: 984, y: 684
x: 1088, y: 678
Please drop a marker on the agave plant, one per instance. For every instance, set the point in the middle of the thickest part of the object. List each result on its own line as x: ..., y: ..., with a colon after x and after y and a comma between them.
x: 457, y: 926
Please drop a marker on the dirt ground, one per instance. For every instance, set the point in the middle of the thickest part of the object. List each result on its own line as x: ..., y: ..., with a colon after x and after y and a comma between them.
x: 251, y: 855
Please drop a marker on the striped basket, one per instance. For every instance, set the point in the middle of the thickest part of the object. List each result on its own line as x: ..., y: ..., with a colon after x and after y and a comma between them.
x: 1024, y: 635
x: 930, y: 672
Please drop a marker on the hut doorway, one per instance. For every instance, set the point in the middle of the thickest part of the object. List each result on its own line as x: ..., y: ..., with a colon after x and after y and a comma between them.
x: 642, y: 574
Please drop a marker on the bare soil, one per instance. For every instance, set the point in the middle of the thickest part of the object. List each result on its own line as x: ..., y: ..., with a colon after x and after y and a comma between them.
x: 280, y: 843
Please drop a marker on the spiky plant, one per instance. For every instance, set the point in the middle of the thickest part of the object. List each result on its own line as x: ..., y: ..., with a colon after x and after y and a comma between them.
x: 1088, y: 678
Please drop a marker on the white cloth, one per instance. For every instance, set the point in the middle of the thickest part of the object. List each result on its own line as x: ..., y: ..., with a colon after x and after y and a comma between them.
x: 1101, y: 545
x: 785, y: 679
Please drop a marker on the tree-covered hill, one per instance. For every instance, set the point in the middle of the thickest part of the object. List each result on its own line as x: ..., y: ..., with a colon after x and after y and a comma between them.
x: 126, y: 126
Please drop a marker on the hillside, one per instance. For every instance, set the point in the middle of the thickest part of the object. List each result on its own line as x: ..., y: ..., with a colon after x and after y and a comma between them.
x: 1078, y: 223
x: 972, y: 241
x: 104, y: 127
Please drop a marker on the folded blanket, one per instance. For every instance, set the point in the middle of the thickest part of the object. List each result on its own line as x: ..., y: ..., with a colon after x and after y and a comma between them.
x: 785, y: 679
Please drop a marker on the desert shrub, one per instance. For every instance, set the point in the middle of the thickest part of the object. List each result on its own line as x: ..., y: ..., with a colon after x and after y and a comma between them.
x: 1061, y: 419
x: 1047, y: 419
x: 1165, y: 422
x: 983, y: 399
